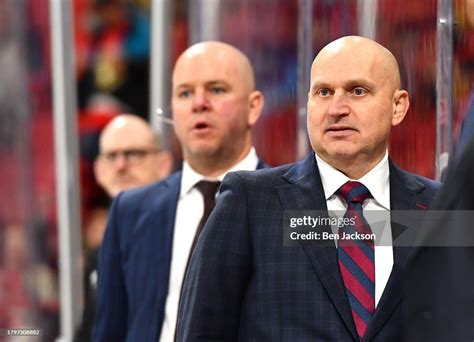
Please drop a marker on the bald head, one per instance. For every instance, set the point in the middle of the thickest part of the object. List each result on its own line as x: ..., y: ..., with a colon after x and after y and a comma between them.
x: 354, y: 101
x: 130, y: 155
x: 210, y: 52
x: 356, y: 48
x: 215, y: 105
x: 127, y: 129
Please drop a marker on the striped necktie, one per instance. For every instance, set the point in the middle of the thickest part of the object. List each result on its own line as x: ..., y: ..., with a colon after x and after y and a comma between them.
x: 356, y: 257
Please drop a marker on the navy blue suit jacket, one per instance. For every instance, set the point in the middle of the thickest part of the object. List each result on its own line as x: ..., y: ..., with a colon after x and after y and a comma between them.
x: 135, y: 260
x: 134, y: 263
x: 243, y: 284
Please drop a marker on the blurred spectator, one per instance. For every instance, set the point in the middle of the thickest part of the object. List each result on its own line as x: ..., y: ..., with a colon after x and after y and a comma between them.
x: 28, y: 293
x: 467, y: 125
x: 130, y: 156
x: 116, y: 56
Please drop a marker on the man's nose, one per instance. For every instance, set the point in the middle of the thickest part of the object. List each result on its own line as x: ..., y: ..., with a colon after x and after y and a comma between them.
x: 339, y: 104
x: 120, y: 162
x: 200, y: 101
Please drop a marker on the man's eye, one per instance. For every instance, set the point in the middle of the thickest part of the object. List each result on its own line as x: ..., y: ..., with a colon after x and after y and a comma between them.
x: 217, y: 90
x: 135, y: 153
x: 110, y: 156
x: 359, y: 91
x: 323, y: 92
x: 184, y: 93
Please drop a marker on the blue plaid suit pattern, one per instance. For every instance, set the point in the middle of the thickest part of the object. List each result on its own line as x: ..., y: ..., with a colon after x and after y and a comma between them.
x: 244, y: 285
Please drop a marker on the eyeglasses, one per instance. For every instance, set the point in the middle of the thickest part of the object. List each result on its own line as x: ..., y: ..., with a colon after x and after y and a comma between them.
x: 132, y: 156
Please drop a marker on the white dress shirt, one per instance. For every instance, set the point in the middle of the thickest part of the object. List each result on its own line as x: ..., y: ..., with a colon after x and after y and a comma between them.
x: 188, y: 214
x: 377, y: 181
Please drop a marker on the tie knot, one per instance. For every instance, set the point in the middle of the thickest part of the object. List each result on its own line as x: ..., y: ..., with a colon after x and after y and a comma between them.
x: 208, y: 189
x: 354, y: 192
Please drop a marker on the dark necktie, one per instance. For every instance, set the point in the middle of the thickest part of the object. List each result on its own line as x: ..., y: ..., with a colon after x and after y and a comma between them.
x: 208, y: 189
x: 356, y: 257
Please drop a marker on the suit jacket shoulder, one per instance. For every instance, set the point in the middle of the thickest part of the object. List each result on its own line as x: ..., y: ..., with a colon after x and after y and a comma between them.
x: 138, y: 238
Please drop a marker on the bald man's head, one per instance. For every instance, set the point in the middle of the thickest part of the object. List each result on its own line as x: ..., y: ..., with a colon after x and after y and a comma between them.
x: 206, y: 52
x: 362, y: 49
x: 130, y: 155
x: 127, y: 127
x: 215, y: 105
x: 354, y: 100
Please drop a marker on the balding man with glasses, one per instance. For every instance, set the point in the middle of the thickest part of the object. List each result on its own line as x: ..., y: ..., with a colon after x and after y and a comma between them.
x: 130, y: 155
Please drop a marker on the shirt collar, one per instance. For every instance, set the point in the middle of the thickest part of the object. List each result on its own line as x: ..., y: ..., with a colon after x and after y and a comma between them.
x: 190, y: 177
x: 376, y: 180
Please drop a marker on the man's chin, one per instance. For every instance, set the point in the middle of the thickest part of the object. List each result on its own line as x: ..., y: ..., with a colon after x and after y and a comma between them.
x: 203, y: 150
x: 338, y: 151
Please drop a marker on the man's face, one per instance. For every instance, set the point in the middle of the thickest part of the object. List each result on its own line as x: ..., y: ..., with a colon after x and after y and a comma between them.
x: 350, y: 107
x: 128, y: 159
x: 210, y: 104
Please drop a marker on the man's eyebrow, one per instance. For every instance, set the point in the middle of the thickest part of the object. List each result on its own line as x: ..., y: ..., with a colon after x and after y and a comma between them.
x: 360, y: 82
x: 207, y: 83
x: 182, y: 85
x: 214, y: 82
x: 318, y: 84
x: 349, y: 84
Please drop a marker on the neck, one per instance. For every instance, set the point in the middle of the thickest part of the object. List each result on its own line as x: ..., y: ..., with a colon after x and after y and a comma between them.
x: 354, y: 168
x: 213, y: 166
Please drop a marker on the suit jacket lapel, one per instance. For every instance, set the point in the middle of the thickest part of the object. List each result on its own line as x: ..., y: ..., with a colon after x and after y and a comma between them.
x: 161, y: 223
x: 304, y: 191
x: 404, y: 189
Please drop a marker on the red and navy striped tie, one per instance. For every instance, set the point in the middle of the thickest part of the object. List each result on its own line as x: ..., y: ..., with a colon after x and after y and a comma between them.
x: 356, y: 257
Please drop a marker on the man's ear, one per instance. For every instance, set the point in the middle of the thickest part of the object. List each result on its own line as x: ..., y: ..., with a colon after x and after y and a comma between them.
x: 401, y: 103
x: 256, y: 102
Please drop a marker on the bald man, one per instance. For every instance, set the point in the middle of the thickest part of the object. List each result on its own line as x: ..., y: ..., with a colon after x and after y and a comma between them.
x: 151, y: 231
x: 130, y: 155
x: 251, y: 278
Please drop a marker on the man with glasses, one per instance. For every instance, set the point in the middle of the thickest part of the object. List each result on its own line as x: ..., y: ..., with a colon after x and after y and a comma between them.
x: 130, y: 155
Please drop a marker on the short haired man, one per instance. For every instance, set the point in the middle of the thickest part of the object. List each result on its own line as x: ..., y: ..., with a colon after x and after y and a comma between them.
x: 151, y: 230
x: 130, y: 156
x: 245, y: 284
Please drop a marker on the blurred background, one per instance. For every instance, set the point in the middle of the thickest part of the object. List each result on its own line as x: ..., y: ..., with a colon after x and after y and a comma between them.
x: 113, y: 63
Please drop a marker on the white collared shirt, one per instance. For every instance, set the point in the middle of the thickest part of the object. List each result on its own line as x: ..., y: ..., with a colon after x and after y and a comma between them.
x: 189, y: 211
x: 377, y: 181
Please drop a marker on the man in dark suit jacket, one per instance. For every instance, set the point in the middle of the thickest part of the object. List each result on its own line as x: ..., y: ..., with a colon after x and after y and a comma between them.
x: 150, y: 230
x: 244, y: 283
x: 130, y: 155
x: 440, y: 276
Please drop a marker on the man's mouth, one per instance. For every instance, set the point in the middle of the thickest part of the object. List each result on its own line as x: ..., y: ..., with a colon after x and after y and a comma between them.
x: 202, y: 127
x: 340, y: 130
